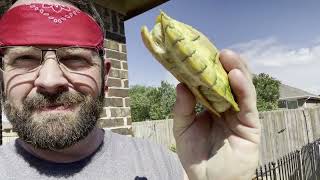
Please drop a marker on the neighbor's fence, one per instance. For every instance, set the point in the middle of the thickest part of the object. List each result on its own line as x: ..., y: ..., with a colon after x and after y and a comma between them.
x: 285, y: 131
x: 282, y: 132
x: 159, y: 131
x: 7, y: 137
x: 303, y: 164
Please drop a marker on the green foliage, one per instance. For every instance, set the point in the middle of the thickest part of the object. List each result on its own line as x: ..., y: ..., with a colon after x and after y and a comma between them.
x: 267, y: 89
x: 140, y: 104
x: 173, y: 148
x: 199, y: 108
x: 152, y: 103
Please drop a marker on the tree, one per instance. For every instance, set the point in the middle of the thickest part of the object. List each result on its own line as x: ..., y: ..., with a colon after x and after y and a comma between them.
x: 152, y: 102
x: 140, y: 103
x: 267, y: 89
x: 164, y: 97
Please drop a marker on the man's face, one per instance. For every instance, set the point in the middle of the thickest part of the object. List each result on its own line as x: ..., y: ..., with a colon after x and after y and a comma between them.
x: 52, y: 107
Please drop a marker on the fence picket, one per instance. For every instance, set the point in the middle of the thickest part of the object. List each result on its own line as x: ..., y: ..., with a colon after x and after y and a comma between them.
x: 298, y: 165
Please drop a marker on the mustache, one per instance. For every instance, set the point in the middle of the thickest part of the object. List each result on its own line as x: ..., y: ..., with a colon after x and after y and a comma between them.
x: 43, y: 100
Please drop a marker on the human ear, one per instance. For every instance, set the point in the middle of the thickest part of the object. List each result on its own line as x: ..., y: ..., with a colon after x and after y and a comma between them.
x: 107, y: 67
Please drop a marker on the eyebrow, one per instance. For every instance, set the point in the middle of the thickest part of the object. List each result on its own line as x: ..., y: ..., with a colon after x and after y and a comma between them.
x: 16, y: 49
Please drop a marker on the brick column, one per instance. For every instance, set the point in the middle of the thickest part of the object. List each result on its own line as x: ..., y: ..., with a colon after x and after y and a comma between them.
x: 116, y: 115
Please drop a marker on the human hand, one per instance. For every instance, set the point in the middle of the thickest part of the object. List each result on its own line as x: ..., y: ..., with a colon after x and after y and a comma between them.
x: 225, y: 148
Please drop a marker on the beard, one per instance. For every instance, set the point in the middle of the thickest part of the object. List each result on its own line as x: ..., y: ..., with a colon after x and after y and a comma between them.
x: 54, y: 131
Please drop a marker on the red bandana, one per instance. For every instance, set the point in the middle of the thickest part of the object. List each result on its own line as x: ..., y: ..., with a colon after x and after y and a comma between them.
x: 44, y: 24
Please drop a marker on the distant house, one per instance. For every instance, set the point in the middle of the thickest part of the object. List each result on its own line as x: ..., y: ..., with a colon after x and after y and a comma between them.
x: 7, y: 132
x: 292, y: 98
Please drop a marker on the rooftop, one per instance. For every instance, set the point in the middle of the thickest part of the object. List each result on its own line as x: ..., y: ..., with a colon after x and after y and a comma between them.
x: 288, y: 92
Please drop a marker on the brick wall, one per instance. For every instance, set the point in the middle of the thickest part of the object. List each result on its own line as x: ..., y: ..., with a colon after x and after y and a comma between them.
x: 116, y: 115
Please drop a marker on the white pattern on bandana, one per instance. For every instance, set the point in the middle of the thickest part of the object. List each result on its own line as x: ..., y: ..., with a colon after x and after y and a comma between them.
x: 62, y: 13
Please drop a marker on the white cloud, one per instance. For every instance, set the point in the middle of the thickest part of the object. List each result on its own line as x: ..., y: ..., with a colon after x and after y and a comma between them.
x: 298, y: 67
x: 271, y: 53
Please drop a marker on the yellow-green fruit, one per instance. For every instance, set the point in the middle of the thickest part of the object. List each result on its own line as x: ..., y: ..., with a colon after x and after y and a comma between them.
x: 193, y: 60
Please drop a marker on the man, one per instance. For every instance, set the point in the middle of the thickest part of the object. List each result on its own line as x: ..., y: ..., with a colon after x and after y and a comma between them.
x: 54, y: 79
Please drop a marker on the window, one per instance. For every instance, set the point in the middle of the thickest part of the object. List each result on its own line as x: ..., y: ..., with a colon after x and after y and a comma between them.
x: 292, y: 104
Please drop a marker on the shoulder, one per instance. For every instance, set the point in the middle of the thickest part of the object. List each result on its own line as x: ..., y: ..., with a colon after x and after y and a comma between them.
x: 137, y: 144
x: 7, y: 149
x: 149, y: 151
x: 7, y: 155
x: 145, y: 155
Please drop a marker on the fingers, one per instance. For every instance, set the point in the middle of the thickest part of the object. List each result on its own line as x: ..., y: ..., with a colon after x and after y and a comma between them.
x: 246, y: 123
x: 231, y: 60
x: 246, y: 97
x: 183, y: 111
x: 241, y: 83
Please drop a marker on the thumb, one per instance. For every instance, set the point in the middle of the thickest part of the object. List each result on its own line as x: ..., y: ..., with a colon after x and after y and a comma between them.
x: 183, y: 111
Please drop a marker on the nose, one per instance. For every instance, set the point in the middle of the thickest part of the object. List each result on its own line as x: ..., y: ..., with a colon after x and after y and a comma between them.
x: 50, y: 77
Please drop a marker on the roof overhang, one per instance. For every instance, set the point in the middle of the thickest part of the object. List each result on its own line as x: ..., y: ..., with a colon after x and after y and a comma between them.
x: 301, y: 97
x: 130, y: 8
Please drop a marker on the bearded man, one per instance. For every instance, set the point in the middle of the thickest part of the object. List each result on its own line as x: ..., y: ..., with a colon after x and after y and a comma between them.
x: 54, y: 79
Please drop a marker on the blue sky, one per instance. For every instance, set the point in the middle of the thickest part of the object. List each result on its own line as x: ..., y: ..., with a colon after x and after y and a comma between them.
x: 278, y: 37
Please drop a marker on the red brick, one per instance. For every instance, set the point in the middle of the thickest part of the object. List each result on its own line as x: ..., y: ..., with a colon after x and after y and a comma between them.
x: 120, y: 112
x: 115, y: 64
x: 112, y: 82
x: 118, y: 92
x: 124, y: 48
x: 109, y: 44
x: 113, y: 102
x: 124, y: 65
x: 114, y: 122
x: 125, y: 83
x: 127, y: 102
x: 116, y: 55
x: 114, y: 73
x: 129, y: 121
x: 123, y: 74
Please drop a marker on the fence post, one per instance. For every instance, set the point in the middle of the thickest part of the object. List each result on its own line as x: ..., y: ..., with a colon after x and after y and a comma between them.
x: 282, y: 170
x: 287, y: 166
x: 266, y: 171
x: 261, y: 173
x: 300, y: 165
x: 290, y: 165
x: 274, y: 171
x: 317, y: 158
x: 296, y: 172
x: 314, y: 160
x: 270, y: 172
x: 311, y: 154
x: 279, y: 169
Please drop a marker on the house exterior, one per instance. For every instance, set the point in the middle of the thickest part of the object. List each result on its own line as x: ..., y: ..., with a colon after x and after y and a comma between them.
x: 116, y: 115
x: 7, y: 132
x: 292, y: 98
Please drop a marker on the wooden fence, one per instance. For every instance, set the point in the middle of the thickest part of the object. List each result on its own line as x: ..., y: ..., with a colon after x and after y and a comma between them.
x: 7, y: 137
x: 283, y: 131
x: 159, y: 131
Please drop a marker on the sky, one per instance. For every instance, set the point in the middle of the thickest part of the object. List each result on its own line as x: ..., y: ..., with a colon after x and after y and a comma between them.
x: 277, y: 37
